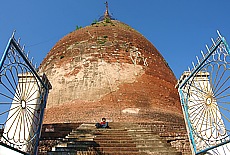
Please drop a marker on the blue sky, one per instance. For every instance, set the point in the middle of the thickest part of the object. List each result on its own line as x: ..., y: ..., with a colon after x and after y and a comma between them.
x: 179, y: 29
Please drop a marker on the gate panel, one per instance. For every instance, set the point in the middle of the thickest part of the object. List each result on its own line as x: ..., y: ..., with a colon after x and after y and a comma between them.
x: 23, y: 94
x: 205, y: 97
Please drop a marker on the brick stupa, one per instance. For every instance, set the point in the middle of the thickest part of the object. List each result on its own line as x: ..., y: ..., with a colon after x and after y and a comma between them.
x: 110, y: 70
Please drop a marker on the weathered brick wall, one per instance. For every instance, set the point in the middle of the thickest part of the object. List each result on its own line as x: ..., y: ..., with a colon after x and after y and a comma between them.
x: 108, y: 70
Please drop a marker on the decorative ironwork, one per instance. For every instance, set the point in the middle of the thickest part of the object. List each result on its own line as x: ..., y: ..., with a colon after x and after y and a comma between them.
x: 23, y: 95
x: 205, y: 97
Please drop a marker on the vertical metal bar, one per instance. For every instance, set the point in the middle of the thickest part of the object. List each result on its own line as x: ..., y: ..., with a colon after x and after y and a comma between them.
x: 188, y: 123
x: 45, y: 96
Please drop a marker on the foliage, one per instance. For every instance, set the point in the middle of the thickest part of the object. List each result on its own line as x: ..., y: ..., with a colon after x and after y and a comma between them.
x: 94, y: 22
x: 107, y: 20
x: 78, y: 27
x: 101, y: 42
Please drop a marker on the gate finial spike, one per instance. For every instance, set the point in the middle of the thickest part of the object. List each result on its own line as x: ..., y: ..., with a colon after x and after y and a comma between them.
x: 23, y: 47
x: 28, y: 54
x: 213, y: 42
x: 13, y: 34
x: 193, y: 65
x: 202, y: 53
x: 197, y: 59
x: 207, y: 48
x: 19, y: 39
x: 32, y: 60
x: 218, y: 32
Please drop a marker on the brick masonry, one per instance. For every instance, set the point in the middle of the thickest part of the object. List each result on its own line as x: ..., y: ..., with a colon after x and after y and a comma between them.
x: 108, y: 70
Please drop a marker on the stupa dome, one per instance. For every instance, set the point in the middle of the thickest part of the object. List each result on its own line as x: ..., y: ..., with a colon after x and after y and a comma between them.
x: 110, y: 70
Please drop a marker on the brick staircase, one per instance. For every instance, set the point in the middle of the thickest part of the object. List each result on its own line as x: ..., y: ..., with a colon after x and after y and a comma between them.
x: 121, y: 139
x: 173, y: 133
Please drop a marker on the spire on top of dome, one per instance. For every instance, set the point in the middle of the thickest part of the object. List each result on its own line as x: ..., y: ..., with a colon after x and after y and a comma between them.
x: 106, y: 14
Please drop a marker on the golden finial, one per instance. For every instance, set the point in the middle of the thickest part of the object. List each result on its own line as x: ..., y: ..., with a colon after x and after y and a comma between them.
x: 106, y: 15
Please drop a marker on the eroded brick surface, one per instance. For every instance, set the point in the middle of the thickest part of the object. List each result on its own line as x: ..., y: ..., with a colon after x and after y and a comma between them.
x: 109, y: 70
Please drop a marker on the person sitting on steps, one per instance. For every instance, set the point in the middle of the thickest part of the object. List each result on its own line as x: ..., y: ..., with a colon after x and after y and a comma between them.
x: 103, y: 124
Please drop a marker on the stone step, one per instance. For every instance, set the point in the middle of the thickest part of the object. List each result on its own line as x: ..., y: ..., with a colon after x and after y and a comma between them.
x: 109, y: 129
x: 160, y: 153
x: 145, y: 142
x: 72, y: 149
x: 72, y: 152
x: 157, y: 149
x: 80, y: 136
x: 111, y: 153
x: 153, y: 144
x: 158, y: 124
x: 113, y: 138
x: 73, y: 139
x: 117, y: 144
x: 139, y: 130
x: 148, y: 139
x: 87, y: 125
x: 103, y: 145
x: 146, y: 136
x: 118, y: 140
x: 162, y: 129
x: 111, y: 132
x: 114, y: 141
x: 101, y: 149
x: 118, y: 149
x: 122, y: 153
x: 82, y: 144
x: 112, y: 135
x: 98, y: 129
x: 172, y: 134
